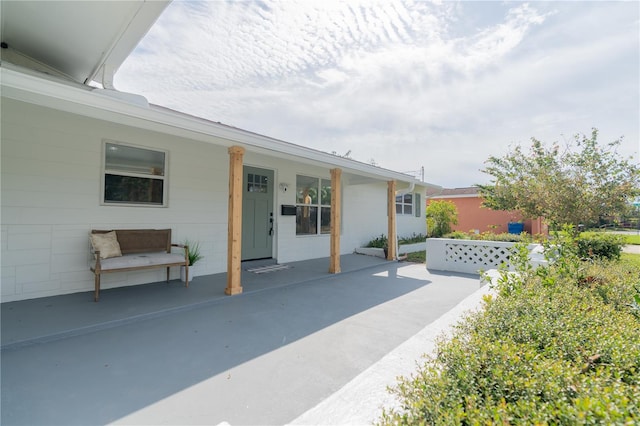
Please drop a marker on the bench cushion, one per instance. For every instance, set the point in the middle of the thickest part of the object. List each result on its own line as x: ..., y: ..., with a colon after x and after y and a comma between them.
x: 141, y: 260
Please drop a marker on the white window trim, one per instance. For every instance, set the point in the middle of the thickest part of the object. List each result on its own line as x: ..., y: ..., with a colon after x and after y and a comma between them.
x: 104, y: 171
x: 402, y: 203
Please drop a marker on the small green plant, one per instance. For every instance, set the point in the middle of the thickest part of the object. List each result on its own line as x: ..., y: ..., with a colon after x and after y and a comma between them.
x: 414, y: 238
x: 194, y: 252
x: 379, y: 242
x: 382, y: 242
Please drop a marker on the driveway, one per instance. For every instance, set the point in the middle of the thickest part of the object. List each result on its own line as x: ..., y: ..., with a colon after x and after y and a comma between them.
x: 265, y: 357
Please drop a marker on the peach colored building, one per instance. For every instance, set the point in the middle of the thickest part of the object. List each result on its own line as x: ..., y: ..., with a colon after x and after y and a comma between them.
x: 472, y: 216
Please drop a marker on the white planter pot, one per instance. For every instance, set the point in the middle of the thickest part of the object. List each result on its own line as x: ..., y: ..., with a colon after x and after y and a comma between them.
x: 194, y: 271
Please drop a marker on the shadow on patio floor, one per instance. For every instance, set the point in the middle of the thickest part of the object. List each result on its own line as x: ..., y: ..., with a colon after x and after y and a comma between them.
x: 50, y: 318
x: 263, y: 357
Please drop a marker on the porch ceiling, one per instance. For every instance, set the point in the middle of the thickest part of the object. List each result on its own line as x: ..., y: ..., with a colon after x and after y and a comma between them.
x: 80, y: 39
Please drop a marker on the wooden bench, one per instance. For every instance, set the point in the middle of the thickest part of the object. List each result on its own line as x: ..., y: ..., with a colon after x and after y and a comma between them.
x: 140, y: 249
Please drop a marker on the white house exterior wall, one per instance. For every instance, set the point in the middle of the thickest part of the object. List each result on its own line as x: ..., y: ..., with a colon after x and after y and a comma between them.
x: 51, y: 174
x: 364, y: 214
x: 409, y: 224
x: 363, y: 211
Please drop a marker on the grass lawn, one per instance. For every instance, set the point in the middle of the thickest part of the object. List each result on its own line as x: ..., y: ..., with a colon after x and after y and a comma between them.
x: 631, y: 258
x: 632, y: 239
x: 417, y: 257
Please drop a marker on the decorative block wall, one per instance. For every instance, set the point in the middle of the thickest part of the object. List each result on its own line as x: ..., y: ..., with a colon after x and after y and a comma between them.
x: 470, y: 256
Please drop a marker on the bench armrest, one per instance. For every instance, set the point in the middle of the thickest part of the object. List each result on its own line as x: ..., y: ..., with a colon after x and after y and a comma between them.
x: 186, y: 251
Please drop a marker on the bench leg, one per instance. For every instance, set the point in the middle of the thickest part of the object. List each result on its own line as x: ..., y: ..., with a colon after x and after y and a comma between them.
x: 96, y: 295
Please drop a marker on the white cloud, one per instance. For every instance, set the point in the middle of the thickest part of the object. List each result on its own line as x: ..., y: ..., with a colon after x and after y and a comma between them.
x: 407, y: 83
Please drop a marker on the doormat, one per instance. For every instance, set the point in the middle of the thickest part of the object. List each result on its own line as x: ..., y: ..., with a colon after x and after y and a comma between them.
x: 268, y: 268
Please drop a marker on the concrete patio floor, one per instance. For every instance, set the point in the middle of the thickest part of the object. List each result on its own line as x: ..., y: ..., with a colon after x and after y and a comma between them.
x: 163, y: 354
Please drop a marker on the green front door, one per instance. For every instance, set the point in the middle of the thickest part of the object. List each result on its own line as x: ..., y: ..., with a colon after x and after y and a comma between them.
x: 257, y: 214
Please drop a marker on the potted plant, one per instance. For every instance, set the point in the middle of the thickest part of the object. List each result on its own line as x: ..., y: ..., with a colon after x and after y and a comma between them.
x: 194, y: 256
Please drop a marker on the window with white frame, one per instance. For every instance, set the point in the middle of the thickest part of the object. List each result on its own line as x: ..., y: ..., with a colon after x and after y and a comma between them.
x: 408, y: 204
x: 313, y: 205
x: 404, y: 204
x: 134, y: 175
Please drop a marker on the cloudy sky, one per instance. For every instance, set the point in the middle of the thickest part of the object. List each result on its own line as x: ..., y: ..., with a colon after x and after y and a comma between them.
x: 404, y: 84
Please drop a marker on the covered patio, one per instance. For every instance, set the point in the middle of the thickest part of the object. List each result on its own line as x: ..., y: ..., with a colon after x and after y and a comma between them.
x: 47, y: 319
x: 164, y: 354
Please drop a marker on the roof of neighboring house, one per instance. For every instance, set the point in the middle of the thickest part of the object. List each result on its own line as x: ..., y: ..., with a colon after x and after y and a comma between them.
x: 467, y: 192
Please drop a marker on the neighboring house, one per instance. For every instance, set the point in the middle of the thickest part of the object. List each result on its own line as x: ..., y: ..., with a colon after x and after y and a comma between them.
x: 76, y: 157
x: 473, y: 217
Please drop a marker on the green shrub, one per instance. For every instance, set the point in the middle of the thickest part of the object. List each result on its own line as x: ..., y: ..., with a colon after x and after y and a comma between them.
x: 382, y: 242
x: 414, y: 238
x: 379, y: 242
x: 489, y: 236
x: 458, y: 235
x: 506, y: 237
x: 441, y: 215
x: 600, y: 245
x: 567, y: 353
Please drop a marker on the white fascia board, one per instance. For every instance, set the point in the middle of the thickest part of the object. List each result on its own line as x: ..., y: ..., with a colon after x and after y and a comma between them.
x: 83, y: 101
x: 455, y: 196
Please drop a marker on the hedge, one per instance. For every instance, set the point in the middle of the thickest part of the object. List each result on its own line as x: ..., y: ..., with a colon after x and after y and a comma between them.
x: 489, y: 236
x: 560, y: 353
x: 600, y: 245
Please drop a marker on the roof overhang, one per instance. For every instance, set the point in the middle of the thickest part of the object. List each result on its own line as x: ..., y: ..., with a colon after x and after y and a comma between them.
x: 437, y: 197
x: 105, y: 105
x: 82, y: 40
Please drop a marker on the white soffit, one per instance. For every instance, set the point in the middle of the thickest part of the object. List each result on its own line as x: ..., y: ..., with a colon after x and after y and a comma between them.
x: 81, y: 39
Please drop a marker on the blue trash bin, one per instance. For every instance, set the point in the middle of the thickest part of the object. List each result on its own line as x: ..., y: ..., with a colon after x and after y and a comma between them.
x: 515, y: 227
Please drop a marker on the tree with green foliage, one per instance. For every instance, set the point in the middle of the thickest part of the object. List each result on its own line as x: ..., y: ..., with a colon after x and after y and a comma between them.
x: 579, y: 184
x: 440, y: 216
